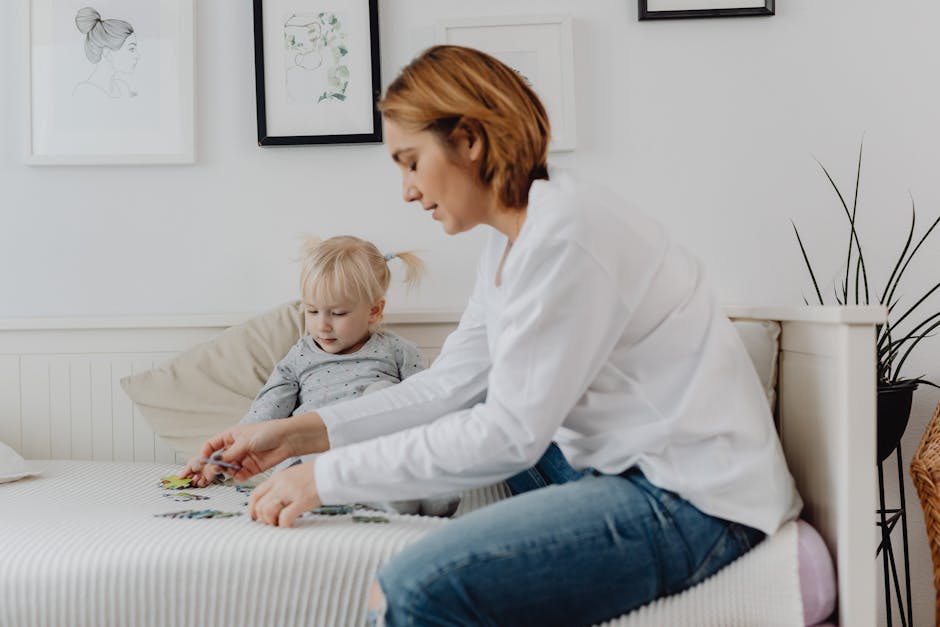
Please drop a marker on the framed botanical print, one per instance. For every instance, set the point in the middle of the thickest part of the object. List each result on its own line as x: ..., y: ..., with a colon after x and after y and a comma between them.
x: 317, y: 71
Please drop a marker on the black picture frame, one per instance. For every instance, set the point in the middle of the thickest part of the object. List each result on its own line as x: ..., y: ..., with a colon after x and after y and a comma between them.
x: 265, y: 135
x: 761, y: 7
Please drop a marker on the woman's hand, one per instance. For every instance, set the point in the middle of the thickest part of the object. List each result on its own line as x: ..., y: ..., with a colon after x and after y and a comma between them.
x: 281, y: 499
x: 257, y: 447
x: 251, y: 448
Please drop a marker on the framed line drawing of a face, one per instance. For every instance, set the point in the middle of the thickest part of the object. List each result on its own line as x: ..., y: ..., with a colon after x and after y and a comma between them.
x: 110, y: 82
x: 111, y: 47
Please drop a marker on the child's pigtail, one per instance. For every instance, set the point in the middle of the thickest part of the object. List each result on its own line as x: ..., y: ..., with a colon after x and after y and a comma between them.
x: 308, y: 246
x: 414, y: 267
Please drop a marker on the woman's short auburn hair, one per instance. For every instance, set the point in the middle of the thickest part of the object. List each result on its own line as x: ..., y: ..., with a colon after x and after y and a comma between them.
x: 450, y: 90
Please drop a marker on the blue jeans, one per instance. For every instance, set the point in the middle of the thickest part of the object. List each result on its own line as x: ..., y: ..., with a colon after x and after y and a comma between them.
x: 585, y: 548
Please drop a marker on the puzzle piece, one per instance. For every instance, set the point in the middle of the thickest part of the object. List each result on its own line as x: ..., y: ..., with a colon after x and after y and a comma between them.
x: 214, y: 513
x: 174, y: 482
x: 185, y: 496
x: 368, y: 508
x: 198, y: 513
x: 333, y: 510
x: 244, y: 489
x: 369, y: 519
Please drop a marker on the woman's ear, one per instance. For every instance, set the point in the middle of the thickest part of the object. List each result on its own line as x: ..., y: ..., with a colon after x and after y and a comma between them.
x: 473, y: 135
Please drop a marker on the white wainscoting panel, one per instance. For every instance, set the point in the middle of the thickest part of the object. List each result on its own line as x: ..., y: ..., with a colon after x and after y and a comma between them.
x: 60, y: 391
x: 73, y: 407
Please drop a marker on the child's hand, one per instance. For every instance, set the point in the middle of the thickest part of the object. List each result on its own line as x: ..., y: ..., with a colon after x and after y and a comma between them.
x: 202, y: 473
x: 281, y: 499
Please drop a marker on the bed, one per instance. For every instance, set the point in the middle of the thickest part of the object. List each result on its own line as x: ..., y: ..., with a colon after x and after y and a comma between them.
x: 80, y: 543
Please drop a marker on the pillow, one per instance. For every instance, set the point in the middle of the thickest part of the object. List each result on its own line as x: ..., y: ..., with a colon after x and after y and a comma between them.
x: 12, y: 465
x: 817, y: 575
x: 210, y: 387
x: 762, y: 341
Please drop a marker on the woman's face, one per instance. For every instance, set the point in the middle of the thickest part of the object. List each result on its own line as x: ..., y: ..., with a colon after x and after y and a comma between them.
x: 445, y: 181
x: 125, y: 59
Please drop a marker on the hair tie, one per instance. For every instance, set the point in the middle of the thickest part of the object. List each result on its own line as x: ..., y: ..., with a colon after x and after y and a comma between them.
x: 390, y: 256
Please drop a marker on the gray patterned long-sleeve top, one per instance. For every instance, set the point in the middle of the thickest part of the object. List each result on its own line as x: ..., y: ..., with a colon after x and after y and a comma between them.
x: 309, y: 378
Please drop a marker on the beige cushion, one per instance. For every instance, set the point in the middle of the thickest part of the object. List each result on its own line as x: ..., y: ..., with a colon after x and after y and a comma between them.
x: 210, y: 387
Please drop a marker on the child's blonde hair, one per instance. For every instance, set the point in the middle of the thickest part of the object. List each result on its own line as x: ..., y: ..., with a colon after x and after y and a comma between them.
x: 349, y: 268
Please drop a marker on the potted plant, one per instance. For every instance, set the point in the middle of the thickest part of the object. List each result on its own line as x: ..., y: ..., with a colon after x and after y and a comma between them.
x: 895, y: 392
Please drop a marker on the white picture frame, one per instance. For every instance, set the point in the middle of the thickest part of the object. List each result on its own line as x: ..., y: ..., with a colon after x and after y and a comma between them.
x: 117, y: 98
x: 538, y: 47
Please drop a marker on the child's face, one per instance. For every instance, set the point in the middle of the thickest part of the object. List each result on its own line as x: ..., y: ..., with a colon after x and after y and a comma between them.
x: 342, y: 327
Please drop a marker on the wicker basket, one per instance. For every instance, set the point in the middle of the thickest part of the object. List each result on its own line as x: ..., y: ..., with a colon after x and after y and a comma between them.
x: 925, y: 472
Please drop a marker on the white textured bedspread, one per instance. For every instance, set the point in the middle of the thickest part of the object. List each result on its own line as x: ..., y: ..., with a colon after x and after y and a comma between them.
x: 761, y: 589
x: 80, y: 546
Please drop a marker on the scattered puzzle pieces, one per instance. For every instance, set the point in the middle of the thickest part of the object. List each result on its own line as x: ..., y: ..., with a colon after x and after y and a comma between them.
x: 174, y: 482
x: 198, y: 513
x: 185, y: 496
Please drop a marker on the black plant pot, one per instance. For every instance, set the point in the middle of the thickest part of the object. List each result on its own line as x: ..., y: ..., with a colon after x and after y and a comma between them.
x: 894, y: 410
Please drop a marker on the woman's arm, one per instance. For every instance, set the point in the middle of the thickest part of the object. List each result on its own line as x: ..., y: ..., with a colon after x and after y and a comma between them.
x: 561, y: 317
x: 456, y: 380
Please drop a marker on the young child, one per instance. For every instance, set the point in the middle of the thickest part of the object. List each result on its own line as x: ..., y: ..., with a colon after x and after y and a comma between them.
x: 343, y: 353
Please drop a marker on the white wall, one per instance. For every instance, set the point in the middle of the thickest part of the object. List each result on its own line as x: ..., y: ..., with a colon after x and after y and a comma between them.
x: 711, y: 125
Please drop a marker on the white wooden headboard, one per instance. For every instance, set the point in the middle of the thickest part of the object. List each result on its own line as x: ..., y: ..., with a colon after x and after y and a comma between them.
x: 60, y: 399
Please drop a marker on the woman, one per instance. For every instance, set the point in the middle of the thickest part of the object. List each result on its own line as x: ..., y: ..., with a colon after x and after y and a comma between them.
x: 587, y: 327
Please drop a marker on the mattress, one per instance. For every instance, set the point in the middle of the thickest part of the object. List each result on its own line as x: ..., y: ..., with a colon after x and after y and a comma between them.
x: 81, y: 545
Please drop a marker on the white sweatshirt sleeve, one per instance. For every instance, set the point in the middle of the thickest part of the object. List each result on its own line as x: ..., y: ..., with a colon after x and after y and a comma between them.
x: 456, y: 380
x: 560, y: 318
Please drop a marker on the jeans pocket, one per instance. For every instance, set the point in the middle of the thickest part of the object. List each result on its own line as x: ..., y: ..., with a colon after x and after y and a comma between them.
x: 734, y: 541
x: 748, y: 536
x: 526, y: 481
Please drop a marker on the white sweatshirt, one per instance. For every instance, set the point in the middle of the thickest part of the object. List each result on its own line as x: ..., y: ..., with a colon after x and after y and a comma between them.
x: 602, y: 336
